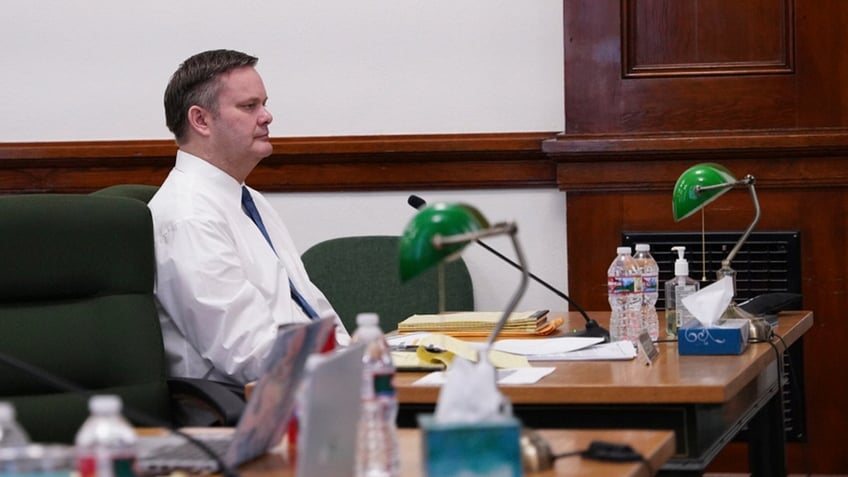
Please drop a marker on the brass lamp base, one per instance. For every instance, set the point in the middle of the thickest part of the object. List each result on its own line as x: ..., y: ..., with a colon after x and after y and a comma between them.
x: 758, y: 328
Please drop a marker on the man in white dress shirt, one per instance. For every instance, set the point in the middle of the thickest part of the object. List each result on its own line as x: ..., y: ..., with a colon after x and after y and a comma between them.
x: 222, y: 287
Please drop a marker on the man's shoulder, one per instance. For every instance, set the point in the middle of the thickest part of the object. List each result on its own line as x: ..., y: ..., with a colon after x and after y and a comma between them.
x: 179, y: 200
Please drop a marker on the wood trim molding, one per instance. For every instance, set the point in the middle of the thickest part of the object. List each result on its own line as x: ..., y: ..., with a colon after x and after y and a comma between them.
x: 777, y: 158
x: 588, y: 163
x: 306, y: 163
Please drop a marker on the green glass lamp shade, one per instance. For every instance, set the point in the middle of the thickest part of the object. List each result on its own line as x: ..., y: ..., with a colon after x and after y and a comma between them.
x: 417, y: 250
x: 687, y: 199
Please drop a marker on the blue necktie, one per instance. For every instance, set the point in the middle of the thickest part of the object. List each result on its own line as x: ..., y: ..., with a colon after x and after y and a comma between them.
x: 253, y: 213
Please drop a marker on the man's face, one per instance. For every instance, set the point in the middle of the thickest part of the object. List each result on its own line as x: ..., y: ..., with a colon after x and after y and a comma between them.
x: 239, y: 127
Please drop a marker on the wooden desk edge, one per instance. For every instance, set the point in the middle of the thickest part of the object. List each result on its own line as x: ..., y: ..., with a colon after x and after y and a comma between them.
x: 656, y: 446
x: 794, y: 325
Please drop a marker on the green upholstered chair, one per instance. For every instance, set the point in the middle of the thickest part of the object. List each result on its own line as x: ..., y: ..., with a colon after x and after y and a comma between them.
x: 76, y: 301
x: 361, y: 274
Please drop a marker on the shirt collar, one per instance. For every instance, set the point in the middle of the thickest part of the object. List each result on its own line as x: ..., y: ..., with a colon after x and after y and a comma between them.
x: 195, y: 166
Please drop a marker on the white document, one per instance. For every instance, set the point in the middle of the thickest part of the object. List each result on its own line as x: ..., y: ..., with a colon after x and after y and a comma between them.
x: 504, y: 376
x: 406, y: 339
x: 528, y: 347
x: 617, y: 350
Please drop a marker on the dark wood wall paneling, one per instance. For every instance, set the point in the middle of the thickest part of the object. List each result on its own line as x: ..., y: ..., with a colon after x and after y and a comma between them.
x: 761, y: 86
x: 298, y: 164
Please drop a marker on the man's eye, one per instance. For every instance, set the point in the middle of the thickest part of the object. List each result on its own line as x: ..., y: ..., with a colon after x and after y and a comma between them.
x: 249, y: 106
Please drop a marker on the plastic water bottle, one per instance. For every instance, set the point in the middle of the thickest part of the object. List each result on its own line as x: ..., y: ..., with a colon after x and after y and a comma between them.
x: 624, y: 286
x: 106, y: 442
x: 11, y: 433
x: 650, y: 271
x: 378, y: 453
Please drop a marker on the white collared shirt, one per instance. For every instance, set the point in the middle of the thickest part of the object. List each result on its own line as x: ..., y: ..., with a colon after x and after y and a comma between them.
x: 222, y: 291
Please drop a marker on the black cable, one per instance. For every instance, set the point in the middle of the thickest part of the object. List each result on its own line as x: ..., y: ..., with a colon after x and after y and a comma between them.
x: 140, y: 417
x: 609, y: 452
x: 793, y: 377
x: 568, y: 454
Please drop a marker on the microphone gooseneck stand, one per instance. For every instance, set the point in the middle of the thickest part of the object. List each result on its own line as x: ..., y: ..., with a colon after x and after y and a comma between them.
x: 593, y: 328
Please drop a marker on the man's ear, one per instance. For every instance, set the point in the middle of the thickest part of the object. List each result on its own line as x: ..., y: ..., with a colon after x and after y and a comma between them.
x: 198, y: 119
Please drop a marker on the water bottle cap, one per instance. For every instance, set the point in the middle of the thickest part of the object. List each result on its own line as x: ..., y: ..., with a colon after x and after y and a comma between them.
x: 367, y: 319
x: 643, y: 247
x: 623, y: 250
x: 104, y: 404
x: 7, y: 411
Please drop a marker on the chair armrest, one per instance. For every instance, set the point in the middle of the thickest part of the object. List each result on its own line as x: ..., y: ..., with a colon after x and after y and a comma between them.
x: 204, y: 403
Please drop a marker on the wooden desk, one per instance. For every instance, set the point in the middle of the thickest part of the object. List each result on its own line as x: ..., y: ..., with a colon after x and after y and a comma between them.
x: 706, y: 400
x: 656, y: 446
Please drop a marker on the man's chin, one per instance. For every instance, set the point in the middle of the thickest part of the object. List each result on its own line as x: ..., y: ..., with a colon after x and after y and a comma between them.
x: 264, y: 147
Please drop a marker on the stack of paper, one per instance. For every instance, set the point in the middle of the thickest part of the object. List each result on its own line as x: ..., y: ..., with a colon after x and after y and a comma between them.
x: 476, y: 323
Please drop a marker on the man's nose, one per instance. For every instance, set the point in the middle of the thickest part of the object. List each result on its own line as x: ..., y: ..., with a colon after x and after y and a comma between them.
x: 266, y: 117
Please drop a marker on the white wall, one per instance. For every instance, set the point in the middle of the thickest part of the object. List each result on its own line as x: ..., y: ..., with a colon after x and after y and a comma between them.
x: 97, y: 69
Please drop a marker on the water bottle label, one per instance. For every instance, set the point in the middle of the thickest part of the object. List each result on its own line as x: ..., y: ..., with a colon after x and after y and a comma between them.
x: 384, y: 385
x: 87, y: 466
x: 623, y: 285
x: 650, y: 283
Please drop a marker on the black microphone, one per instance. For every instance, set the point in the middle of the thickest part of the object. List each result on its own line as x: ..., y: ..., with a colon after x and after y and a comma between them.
x: 593, y: 329
x: 145, y: 419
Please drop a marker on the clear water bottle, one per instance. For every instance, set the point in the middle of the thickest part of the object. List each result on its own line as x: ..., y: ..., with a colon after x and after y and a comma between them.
x: 650, y: 271
x: 624, y: 287
x: 11, y: 433
x: 106, y: 442
x: 378, y: 452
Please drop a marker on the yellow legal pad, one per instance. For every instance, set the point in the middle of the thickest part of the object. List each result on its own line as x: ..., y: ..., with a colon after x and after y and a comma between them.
x: 436, y: 352
x: 480, y: 323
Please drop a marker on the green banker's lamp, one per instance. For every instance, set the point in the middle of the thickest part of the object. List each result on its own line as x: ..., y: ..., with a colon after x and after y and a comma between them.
x: 697, y: 187
x: 440, y: 232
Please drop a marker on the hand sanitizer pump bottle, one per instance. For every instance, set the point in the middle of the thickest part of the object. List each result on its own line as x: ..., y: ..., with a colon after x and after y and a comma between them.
x: 676, y: 289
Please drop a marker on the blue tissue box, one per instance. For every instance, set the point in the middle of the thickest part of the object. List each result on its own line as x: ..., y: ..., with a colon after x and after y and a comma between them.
x: 470, y: 449
x: 729, y: 337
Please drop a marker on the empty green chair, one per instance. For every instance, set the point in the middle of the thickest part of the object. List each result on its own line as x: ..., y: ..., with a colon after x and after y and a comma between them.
x: 361, y: 274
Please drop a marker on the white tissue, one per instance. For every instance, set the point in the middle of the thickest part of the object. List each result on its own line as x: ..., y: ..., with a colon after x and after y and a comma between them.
x: 709, y: 303
x: 470, y: 394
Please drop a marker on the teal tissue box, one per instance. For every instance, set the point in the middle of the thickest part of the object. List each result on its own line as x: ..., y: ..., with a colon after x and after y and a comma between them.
x: 470, y: 449
x: 729, y: 337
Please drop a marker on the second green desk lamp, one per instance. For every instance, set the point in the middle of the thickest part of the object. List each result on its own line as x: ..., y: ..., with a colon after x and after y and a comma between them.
x: 697, y: 187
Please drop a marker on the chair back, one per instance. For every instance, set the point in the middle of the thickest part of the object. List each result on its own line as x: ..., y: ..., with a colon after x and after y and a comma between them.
x: 76, y: 300
x: 360, y: 274
x: 142, y: 192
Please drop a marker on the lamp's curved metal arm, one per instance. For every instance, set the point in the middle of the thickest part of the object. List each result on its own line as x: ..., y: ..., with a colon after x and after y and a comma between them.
x: 749, y: 181
x: 522, y: 287
x: 508, y: 228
